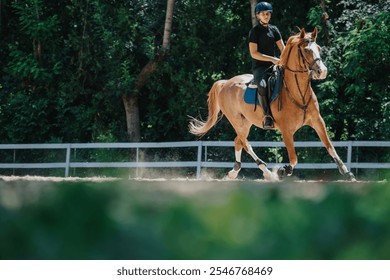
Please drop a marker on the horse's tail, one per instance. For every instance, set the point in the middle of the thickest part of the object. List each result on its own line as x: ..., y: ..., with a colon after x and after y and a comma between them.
x: 200, y: 128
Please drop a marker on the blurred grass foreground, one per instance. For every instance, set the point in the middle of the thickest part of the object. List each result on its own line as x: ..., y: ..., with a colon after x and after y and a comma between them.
x: 194, y: 220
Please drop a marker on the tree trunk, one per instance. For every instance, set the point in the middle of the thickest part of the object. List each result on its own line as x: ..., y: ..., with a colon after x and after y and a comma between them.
x: 132, y: 117
x: 253, y: 16
x: 168, y: 24
x: 37, y: 44
x: 324, y: 18
x: 130, y: 102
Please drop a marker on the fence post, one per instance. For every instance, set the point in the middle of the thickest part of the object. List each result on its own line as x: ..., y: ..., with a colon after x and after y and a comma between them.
x: 199, y: 160
x: 349, y: 155
x: 14, y: 158
x: 67, y: 163
x: 137, y: 160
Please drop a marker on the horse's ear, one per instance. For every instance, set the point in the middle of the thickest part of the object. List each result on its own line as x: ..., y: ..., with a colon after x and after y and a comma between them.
x: 314, y: 33
x: 302, y: 34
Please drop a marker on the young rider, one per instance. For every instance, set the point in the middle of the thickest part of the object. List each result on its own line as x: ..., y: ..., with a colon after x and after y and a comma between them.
x: 262, y: 40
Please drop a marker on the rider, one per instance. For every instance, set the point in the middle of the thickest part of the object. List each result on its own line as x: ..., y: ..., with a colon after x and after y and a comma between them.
x: 262, y: 40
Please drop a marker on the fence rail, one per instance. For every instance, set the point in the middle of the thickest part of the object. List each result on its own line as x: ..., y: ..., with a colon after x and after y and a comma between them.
x: 198, y: 163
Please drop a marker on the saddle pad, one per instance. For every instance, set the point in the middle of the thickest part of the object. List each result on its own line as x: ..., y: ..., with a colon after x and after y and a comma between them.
x: 275, y: 83
x: 250, y: 96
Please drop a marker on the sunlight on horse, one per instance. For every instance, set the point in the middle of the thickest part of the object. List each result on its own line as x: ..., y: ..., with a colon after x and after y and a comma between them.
x: 295, y: 107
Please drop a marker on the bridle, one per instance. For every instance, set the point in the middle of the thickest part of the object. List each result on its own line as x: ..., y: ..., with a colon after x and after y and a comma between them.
x: 308, y: 69
x: 308, y: 66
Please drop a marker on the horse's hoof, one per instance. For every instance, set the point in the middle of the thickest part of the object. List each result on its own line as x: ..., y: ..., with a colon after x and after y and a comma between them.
x: 270, y: 176
x: 285, y: 171
x: 281, y: 172
x: 232, y: 174
x: 350, y: 177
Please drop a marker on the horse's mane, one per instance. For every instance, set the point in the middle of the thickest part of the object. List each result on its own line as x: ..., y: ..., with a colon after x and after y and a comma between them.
x: 287, y: 50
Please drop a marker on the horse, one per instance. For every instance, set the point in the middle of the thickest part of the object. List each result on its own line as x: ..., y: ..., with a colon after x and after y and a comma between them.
x: 296, y: 106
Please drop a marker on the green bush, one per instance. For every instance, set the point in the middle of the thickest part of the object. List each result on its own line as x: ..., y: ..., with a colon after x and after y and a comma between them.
x: 194, y: 220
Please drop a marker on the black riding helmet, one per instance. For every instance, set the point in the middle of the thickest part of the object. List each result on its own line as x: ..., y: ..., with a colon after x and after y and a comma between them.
x: 263, y: 7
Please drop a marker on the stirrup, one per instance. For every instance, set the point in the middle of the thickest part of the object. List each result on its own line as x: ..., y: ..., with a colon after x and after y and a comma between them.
x: 268, y: 122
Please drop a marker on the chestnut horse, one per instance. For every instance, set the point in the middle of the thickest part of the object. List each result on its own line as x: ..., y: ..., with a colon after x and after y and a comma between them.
x: 301, y: 62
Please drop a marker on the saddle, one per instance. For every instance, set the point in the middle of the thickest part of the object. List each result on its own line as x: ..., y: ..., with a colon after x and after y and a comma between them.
x: 274, y: 87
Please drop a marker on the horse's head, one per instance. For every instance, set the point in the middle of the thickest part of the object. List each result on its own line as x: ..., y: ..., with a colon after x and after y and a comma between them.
x: 302, y: 54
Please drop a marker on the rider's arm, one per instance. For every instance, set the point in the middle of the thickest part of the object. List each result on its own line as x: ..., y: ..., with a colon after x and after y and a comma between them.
x: 280, y: 45
x: 259, y: 56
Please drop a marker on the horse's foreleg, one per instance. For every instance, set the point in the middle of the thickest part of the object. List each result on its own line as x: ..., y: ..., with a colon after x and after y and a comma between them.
x: 287, y: 170
x: 320, y: 128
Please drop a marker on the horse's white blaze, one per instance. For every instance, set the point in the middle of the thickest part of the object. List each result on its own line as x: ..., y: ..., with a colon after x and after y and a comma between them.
x: 316, y: 55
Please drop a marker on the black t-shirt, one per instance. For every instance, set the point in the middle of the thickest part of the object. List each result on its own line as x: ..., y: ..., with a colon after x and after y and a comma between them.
x: 265, y: 38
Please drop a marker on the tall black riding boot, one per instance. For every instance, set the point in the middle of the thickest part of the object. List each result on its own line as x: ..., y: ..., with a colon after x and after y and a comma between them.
x: 268, y: 122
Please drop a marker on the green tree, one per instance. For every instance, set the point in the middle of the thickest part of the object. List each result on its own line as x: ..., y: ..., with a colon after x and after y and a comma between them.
x: 66, y: 66
x: 31, y: 68
x: 55, y: 90
x: 356, y: 90
x: 208, y: 43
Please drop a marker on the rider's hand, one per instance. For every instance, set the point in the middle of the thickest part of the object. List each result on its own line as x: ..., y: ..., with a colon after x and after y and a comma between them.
x: 276, y: 61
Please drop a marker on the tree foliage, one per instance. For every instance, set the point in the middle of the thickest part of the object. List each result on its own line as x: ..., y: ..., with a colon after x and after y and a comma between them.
x: 65, y: 66
x: 357, y: 88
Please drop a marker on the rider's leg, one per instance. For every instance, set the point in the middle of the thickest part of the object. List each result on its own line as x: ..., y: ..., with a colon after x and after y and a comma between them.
x: 261, y: 75
x: 268, y: 120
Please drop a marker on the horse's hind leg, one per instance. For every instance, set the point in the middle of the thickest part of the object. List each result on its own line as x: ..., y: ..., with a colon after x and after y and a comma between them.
x: 232, y: 174
x: 241, y: 142
x: 320, y: 128
x: 261, y: 164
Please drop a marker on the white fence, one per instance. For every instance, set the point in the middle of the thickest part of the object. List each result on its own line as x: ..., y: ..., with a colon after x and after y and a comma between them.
x: 198, y: 163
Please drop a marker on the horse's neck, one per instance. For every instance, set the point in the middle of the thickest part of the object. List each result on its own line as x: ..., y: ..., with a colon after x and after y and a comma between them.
x: 296, y: 66
x: 298, y: 84
x: 297, y: 77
